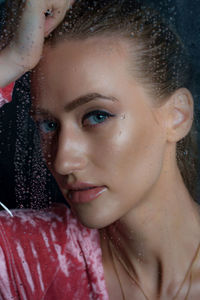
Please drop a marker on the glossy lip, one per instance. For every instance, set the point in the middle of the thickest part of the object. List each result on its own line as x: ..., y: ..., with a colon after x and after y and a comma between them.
x: 79, y: 186
x: 84, y: 192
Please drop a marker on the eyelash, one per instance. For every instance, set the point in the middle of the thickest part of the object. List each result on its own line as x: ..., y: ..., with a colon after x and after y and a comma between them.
x: 41, y: 123
x: 96, y: 113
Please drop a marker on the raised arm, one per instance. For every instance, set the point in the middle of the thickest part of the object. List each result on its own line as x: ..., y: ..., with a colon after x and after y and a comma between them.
x: 37, y: 19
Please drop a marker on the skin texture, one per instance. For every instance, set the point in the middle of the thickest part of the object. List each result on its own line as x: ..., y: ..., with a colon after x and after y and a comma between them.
x: 102, y: 155
x: 155, y: 224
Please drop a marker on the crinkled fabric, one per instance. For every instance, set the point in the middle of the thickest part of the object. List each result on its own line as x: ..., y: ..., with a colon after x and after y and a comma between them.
x: 48, y: 255
x: 6, y: 94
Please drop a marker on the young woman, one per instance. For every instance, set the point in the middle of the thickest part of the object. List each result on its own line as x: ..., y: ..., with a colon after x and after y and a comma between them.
x: 110, y: 102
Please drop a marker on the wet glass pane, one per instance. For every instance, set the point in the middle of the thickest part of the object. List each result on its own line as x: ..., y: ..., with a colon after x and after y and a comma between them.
x: 99, y: 149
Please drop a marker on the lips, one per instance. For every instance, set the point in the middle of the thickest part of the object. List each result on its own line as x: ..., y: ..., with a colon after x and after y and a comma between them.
x: 85, y: 194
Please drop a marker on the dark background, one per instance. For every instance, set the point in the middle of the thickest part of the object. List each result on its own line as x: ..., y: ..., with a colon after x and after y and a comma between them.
x: 24, y: 179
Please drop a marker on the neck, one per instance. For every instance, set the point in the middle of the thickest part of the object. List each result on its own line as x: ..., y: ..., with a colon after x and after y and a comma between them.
x: 158, y: 239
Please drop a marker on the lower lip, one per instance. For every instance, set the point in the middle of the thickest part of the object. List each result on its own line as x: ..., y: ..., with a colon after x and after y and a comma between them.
x: 85, y: 196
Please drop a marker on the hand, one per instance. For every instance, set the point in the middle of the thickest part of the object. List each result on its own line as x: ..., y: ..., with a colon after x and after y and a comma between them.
x: 34, y: 26
x: 55, y: 11
x: 25, y: 49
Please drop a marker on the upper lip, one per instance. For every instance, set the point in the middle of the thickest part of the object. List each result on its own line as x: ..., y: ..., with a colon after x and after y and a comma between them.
x: 80, y: 186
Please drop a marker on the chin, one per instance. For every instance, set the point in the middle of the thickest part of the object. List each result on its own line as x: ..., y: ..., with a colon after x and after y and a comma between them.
x: 92, y: 219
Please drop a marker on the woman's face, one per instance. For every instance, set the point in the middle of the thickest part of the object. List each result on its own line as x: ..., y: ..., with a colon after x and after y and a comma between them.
x: 98, y: 126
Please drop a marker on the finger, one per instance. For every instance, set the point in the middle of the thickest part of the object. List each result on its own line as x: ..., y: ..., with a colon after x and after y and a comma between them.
x: 56, y: 14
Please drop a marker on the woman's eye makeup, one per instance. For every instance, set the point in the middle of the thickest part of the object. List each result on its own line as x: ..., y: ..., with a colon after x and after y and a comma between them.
x: 96, y: 117
x: 90, y: 119
x: 46, y: 126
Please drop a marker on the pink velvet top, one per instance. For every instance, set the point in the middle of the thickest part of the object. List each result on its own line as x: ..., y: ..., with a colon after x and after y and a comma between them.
x: 6, y: 94
x: 48, y: 255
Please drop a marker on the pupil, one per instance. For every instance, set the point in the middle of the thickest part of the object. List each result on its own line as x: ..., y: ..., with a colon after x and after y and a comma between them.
x: 100, y: 117
x: 51, y: 125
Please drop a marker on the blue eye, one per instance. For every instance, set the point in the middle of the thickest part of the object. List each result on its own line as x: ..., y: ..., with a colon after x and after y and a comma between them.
x: 96, y: 117
x: 46, y: 126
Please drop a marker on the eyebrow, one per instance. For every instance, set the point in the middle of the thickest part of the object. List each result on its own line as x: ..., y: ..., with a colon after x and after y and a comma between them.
x: 74, y: 103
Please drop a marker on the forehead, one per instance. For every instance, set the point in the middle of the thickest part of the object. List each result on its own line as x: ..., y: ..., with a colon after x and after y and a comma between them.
x: 81, y: 64
x: 101, y: 46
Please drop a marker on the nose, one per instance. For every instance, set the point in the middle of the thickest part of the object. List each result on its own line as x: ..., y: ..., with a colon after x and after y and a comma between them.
x: 70, y: 153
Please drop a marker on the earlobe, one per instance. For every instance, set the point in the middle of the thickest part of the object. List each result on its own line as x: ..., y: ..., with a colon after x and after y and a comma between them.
x: 180, y: 115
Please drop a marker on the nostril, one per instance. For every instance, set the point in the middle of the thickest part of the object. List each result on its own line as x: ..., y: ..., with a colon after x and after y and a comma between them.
x: 67, y: 165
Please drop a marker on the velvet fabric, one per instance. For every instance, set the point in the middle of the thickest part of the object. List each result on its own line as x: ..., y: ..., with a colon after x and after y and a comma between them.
x: 47, y: 254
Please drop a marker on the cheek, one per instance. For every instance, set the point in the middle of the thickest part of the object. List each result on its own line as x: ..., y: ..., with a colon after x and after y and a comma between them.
x: 130, y: 155
x: 49, y: 148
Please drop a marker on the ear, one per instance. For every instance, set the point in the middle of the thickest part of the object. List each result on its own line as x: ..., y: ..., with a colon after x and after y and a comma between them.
x: 180, y: 115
